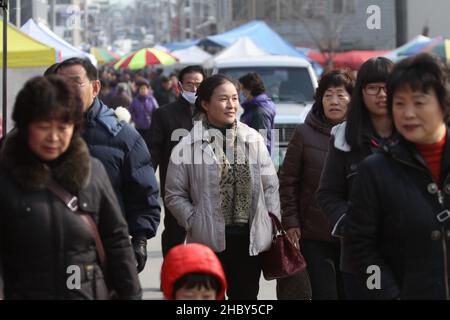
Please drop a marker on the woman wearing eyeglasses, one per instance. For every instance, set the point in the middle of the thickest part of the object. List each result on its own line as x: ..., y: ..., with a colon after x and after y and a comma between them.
x: 367, y: 128
x: 399, y: 219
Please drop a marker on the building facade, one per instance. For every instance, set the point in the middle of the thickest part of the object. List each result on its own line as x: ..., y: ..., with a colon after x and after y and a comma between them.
x: 330, y: 24
x: 429, y: 18
x: 20, y: 11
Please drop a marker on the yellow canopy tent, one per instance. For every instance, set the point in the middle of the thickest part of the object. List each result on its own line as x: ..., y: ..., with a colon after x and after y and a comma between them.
x: 25, y: 52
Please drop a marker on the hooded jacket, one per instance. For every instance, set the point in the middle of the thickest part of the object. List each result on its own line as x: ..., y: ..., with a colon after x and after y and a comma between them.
x: 259, y: 113
x: 300, y: 175
x: 42, y: 242
x: 336, y: 183
x: 190, y: 258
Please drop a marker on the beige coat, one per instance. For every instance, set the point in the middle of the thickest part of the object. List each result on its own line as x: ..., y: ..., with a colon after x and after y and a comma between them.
x: 192, y: 189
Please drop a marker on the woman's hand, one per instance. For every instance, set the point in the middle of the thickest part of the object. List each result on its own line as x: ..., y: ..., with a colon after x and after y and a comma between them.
x: 294, y: 234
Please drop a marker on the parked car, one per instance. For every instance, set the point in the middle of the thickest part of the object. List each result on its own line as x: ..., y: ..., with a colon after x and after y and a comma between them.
x: 290, y: 82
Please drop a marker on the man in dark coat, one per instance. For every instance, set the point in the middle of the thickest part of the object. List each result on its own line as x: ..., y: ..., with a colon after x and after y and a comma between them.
x: 165, y: 95
x: 165, y: 120
x: 124, y: 154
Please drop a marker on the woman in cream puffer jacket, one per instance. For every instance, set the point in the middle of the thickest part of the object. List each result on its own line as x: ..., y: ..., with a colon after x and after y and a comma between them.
x: 225, y: 204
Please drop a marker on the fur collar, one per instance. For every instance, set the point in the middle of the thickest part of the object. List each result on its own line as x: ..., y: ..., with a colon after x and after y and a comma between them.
x: 72, y: 170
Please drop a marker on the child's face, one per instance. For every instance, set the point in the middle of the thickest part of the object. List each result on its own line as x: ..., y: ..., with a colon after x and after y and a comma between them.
x: 195, y: 293
x: 144, y: 90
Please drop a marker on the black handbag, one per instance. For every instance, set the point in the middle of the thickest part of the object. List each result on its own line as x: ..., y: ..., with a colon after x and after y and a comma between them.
x: 283, y: 258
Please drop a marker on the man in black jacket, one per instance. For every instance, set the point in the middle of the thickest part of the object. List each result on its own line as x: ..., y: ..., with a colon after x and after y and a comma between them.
x: 165, y: 94
x: 165, y: 120
x: 124, y: 154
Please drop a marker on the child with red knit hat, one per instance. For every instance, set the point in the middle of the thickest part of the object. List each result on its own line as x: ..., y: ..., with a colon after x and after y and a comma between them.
x: 192, y: 272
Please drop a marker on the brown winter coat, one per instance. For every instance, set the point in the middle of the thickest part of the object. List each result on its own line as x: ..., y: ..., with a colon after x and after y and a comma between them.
x: 300, y: 175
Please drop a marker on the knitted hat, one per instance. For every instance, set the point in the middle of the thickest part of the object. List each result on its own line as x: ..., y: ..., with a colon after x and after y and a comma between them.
x: 190, y: 258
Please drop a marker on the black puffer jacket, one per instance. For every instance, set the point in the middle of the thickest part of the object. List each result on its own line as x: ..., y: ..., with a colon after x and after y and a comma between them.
x: 393, y: 224
x: 336, y: 182
x: 41, y: 240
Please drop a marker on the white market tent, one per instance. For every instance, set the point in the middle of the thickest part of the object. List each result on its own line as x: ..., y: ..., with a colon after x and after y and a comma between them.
x: 65, y: 50
x: 191, y: 56
x: 242, y: 48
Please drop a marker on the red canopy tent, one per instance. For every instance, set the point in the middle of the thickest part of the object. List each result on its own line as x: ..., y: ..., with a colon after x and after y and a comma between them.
x: 354, y: 59
x: 350, y: 59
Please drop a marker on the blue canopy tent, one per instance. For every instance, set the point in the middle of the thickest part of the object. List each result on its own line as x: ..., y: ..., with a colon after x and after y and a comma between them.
x: 180, y: 45
x: 260, y: 33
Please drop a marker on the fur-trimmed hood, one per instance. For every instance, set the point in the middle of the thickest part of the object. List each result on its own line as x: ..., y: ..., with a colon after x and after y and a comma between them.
x: 72, y: 169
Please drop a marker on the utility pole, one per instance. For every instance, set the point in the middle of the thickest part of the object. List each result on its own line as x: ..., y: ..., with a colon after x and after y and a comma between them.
x: 4, y: 7
x: 53, y: 14
x: 253, y: 11
x: 18, y: 13
x: 169, y: 23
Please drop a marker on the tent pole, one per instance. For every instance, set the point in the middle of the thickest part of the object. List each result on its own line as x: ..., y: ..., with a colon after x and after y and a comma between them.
x: 4, y: 6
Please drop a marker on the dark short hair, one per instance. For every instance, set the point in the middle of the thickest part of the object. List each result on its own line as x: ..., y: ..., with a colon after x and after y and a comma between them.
x: 164, y: 79
x: 333, y: 78
x: 197, y: 280
x: 91, y: 70
x: 48, y: 98
x: 421, y: 73
x: 253, y: 82
x: 52, y: 69
x: 206, y: 89
x: 358, y: 117
x: 191, y: 69
x: 142, y: 82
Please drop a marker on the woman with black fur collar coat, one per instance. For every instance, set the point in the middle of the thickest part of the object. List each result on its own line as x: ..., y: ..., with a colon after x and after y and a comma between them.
x: 47, y: 251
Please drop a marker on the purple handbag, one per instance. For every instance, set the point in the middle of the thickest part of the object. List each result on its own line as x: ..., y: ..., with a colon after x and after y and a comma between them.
x: 283, y: 259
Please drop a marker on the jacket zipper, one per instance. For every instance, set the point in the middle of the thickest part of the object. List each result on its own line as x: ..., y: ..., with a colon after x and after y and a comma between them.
x: 444, y: 246
x: 444, y: 235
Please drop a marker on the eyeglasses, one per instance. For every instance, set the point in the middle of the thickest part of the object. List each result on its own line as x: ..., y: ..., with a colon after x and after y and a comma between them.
x: 373, y: 90
x: 78, y: 82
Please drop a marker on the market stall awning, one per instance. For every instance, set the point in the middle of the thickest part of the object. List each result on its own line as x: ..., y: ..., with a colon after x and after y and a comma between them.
x: 24, y: 51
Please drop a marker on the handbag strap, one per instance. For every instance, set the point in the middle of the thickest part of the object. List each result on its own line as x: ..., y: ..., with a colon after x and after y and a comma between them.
x: 276, y: 224
x: 72, y: 203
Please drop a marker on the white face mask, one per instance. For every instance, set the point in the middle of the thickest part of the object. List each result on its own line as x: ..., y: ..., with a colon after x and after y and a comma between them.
x: 189, y: 96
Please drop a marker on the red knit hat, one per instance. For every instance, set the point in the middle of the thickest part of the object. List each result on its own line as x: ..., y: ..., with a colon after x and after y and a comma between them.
x: 190, y: 258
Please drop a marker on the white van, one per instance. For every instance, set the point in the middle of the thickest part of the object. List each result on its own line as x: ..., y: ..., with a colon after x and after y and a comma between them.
x: 290, y: 82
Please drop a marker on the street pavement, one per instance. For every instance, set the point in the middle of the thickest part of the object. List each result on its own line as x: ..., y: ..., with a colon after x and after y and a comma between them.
x: 150, y: 280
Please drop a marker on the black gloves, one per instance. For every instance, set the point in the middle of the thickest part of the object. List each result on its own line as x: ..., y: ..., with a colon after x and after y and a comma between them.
x: 140, y: 251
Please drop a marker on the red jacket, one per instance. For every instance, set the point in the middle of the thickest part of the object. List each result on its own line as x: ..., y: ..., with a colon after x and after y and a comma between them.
x: 190, y: 258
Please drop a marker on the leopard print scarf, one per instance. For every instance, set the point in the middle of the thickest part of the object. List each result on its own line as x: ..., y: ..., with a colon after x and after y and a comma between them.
x: 235, y: 180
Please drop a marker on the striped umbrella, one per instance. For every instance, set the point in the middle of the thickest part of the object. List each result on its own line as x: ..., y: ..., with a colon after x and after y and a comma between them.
x: 419, y: 47
x: 441, y: 49
x: 104, y: 56
x: 144, y: 57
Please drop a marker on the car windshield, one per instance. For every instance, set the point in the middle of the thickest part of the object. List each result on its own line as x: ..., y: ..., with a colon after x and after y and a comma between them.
x: 283, y: 84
